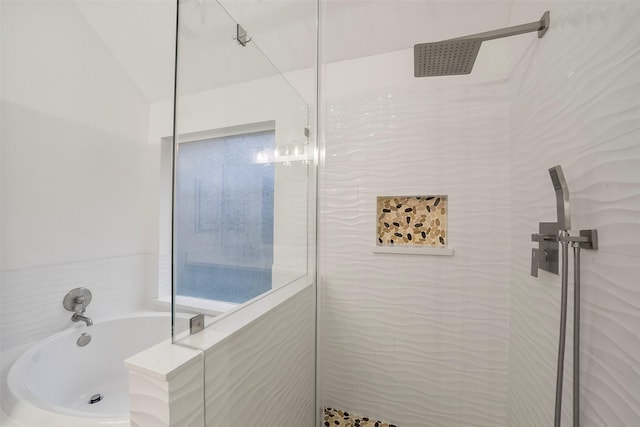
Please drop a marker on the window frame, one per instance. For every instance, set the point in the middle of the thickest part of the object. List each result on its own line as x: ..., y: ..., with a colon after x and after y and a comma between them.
x: 165, y: 229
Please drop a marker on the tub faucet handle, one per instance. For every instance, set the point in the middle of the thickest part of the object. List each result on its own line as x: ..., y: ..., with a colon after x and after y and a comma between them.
x: 79, y: 304
x: 77, y: 300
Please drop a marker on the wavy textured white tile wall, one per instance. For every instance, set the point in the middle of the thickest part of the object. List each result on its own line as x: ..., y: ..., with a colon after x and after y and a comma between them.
x: 31, y: 305
x: 574, y: 100
x: 263, y: 375
x: 416, y: 340
x: 160, y: 403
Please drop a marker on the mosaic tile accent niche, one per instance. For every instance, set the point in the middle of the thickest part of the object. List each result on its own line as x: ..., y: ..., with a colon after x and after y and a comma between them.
x: 412, y: 220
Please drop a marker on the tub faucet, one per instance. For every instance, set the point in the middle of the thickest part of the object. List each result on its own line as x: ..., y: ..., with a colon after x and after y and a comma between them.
x: 77, y: 301
x: 78, y: 317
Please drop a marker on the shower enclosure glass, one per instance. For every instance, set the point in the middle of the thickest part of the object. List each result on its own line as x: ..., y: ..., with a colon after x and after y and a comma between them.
x: 243, y: 175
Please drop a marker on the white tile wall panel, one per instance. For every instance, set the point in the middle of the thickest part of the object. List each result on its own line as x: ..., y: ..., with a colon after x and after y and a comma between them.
x: 574, y: 101
x: 176, y: 401
x: 416, y: 340
x: 31, y: 304
x: 263, y: 374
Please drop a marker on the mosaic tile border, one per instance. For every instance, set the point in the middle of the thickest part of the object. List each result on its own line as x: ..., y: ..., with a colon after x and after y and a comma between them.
x: 412, y: 221
x: 339, y: 418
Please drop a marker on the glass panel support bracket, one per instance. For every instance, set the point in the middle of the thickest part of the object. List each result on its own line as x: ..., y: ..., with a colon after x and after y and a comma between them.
x: 196, y: 324
x: 242, y: 37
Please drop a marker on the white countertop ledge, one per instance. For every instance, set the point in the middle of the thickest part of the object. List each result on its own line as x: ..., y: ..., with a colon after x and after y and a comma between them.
x: 164, y: 360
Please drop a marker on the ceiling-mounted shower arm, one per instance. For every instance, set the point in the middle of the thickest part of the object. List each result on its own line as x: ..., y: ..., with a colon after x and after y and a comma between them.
x: 540, y: 26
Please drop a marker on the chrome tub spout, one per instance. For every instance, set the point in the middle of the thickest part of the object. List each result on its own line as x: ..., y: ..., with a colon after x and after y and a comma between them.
x: 78, y: 317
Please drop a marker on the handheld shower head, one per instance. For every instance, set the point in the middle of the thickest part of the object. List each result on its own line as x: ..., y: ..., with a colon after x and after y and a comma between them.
x: 562, y: 197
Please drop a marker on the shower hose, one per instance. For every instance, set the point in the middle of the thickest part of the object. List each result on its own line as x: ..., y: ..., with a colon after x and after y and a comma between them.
x: 563, y: 332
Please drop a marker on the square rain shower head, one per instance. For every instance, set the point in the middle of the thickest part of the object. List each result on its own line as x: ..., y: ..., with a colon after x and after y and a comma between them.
x: 445, y: 58
x: 457, y: 56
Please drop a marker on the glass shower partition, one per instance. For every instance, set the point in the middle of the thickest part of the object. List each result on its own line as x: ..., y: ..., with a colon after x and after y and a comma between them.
x: 243, y: 169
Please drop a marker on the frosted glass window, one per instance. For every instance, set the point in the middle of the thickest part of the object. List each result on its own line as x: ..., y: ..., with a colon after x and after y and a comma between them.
x: 224, y: 217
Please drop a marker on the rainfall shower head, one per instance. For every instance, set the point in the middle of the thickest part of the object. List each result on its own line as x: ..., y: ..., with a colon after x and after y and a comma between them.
x: 562, y: 197
x: 457, y: 56
x: 446, y: 58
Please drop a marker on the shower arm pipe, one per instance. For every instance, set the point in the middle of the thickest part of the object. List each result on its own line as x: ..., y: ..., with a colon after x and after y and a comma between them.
x: 540, y: 26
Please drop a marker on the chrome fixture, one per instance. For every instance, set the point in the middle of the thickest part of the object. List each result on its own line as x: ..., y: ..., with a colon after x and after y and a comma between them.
x: 457, y: 56
x: 242, y: 37
x: 77, y: 300
x: 562, y: 197
x: 550, y: 235
x: 545, y: 257
x: 78, y: 317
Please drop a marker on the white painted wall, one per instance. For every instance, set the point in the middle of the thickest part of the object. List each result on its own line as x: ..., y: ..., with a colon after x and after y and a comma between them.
x: 574, y: 100
x: 415, y: 340
x: 74, y: 153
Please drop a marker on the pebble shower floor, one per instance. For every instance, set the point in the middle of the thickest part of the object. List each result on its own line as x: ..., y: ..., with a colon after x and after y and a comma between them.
x: 336, y: 417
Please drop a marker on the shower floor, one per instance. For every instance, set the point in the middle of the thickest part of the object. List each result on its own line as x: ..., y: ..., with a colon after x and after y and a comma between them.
x: 336, y: 417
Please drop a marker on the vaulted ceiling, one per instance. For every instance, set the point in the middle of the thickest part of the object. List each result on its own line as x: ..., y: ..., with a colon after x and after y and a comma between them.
x: 140, y: 34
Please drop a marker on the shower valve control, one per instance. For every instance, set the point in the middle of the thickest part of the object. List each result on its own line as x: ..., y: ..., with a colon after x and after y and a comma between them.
x: 77, y: 300
x: 545, y: 256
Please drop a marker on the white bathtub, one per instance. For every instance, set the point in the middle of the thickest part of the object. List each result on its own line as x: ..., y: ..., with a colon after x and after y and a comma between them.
x: 52, y: 382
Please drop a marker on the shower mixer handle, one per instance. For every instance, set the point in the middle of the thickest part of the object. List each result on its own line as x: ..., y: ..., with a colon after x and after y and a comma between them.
x: 535, y: 262
x: 77, y: 300
x: 545, y: 256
